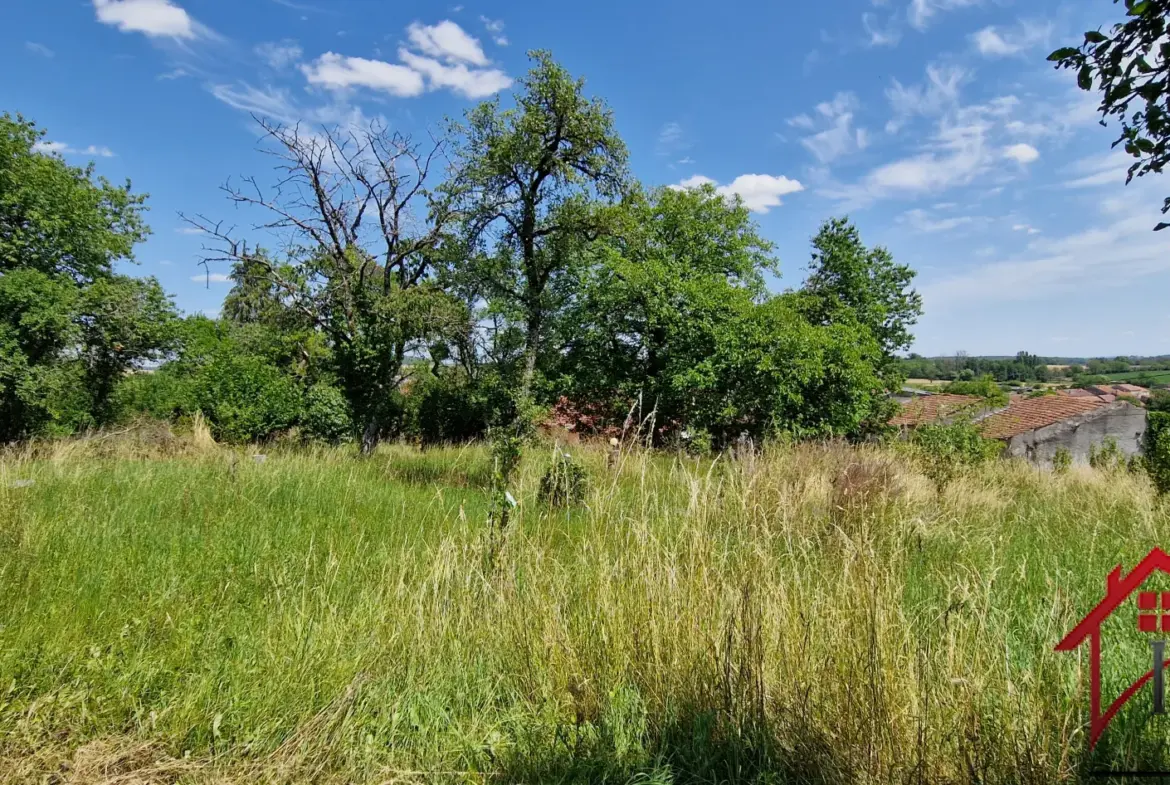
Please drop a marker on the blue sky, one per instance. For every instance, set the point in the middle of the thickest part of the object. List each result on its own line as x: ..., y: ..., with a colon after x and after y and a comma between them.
x: 936, y: 125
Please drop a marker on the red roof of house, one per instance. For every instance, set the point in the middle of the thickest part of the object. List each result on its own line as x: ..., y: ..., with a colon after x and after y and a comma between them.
x: 1032, y: 413
x: 934, y: 407
x: 1079, y: 393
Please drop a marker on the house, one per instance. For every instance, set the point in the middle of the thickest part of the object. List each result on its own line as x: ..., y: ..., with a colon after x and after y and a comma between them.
x: 941, y: 407
x: 1118, y: 589
x: 1110, y: 392
x: 1037, y: 428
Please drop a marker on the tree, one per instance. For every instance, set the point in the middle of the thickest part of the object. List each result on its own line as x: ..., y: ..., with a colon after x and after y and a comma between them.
x: 534, y: 178
x: 364, y: 222
x: 70, y: 328
x: 55, y: 218
x: 1131, y: 68
x: 678, y: 264
x: 845, y: 277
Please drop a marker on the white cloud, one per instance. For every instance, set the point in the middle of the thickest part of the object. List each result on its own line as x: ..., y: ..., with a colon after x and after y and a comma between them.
x: 1025, y: 228
x: 211, y: 278
x: 921, y: 11
x: 1118, y: 252
x: 939, y: 93
x: 671, y: 139
x: 496, y: 28
x: 991, y: 43
x: 840, y: 138
x: 156, y: 18
x: 39, y: 49
x: 1021, y: 153
x: 920, y: 221
x: 165, y: 263
x: 878, y: 36
x: 63, y: 148
x: 1105, y: 169
x: 447, y: 53
x: 336, y: 72
x: 758, y: 192
x: 447, y: 41
x: 469, y: 82
x: 280, y: 55
x: 188, y: 230
x: 265, y: 101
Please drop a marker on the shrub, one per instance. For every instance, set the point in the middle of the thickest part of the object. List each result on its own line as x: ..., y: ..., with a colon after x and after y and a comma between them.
x: 945, y: 451
x: 245, y: 399
x: 1157, y: 450
x: 451, y: 408
x: 1062, y: 461
x: 1108, y: 457
x: 166, y: 394
x: 326, y: 416
x: 984, y: 387
x: 565, y: 481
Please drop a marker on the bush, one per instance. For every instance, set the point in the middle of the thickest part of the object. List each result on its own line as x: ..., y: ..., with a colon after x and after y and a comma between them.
x: 946, y: 451
x: 1157, y: 450
x: 1062, y: 461
x: 1108, y: 457
x: 245, y: 399
x: 166, y: 394
x: 450, y: 408
x: 984, y: 387
x: 565, y: 481
x: 326, y: 416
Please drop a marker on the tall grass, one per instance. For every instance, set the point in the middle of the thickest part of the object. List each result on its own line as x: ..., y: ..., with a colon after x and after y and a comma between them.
x: 812, y: 614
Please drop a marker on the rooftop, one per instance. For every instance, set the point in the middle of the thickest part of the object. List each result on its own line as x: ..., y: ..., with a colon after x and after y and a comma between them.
x: 1032, y: 413
x: 934, y: 407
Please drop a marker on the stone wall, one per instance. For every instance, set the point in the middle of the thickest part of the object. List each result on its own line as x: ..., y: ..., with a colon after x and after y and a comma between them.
x: 1121, y: 420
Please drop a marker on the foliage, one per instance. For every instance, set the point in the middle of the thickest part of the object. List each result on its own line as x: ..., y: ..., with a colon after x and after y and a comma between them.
x: 1131, y: 68
x: 945, y: 451
x: 333, y: 602
x: 326, y: 415
x: 565, y: 481
x: 866, y: 286
x: 70, y: 328
x: 450, y: 407
x: 56, y: 219
x: 1159, y: 401
x: 1108, y: 457
x: 1024, y: 367
x: 984, y: 387
x: 533, y: 177
x: 1156, y: 450
x: 246, y: 399
x: 1061, y: 461
x: 770, y: 371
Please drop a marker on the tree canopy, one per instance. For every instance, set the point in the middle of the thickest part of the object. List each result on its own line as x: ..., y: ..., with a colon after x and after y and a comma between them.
x: 1130, y: 66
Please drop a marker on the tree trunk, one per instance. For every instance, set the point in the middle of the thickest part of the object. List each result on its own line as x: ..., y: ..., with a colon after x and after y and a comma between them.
x: 371, y: 434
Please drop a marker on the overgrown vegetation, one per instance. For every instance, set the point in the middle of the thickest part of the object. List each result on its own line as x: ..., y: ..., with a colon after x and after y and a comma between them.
x: 809, y: 614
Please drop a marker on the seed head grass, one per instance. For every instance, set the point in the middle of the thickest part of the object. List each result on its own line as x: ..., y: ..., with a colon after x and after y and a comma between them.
x: 178, y: 612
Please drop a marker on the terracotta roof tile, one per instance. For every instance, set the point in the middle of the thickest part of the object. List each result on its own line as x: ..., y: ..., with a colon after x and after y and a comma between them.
x: 934, y: 407
x: 1032, y: 413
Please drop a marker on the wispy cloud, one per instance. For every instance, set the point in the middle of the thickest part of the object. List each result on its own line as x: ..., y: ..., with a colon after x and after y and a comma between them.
x: 921, y: 12
x: 279, y: 55
x: 39, y: 49
x: 495, y: 28
x: 996, y: 42
x: 63, y: 148
x: 838, y: 136
x: 211, y: 278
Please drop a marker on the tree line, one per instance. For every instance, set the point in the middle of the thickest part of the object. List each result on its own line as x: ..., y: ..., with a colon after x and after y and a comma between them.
x: 507, y: 270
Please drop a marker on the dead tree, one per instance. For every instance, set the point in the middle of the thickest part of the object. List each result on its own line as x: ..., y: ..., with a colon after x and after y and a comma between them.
x: 360, y: 218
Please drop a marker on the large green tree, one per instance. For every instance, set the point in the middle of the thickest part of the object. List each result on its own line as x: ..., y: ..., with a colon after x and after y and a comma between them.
x: 1130, y: 66
x: 848, y: 282
x: 70, y: 328
x: 538, y: 179
x: 679, y: 266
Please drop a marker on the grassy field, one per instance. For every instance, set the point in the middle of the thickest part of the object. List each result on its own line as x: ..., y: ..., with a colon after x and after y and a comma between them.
x: 813, y: 614
x: 1141, y: 377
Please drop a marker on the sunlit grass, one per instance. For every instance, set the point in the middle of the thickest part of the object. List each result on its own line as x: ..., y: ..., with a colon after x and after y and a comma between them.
x: 781, y: 618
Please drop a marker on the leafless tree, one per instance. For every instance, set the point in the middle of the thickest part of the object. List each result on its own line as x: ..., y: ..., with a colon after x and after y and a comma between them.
x: 361, y: 215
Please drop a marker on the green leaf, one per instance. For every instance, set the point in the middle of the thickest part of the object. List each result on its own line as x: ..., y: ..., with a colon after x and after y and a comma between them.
x: 1085, y: 77
x: 1139, y: 8
x: 1161, y: 226
x: 1095, y: 37
x: 1063, y: 53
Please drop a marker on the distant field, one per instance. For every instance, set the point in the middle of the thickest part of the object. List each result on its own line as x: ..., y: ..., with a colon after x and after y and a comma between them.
x: 817, y: 614
x: 1140, y: 377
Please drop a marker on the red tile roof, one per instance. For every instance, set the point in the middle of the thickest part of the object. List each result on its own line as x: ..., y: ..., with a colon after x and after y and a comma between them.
x: 934, y: 407
x: 1032, y: 413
